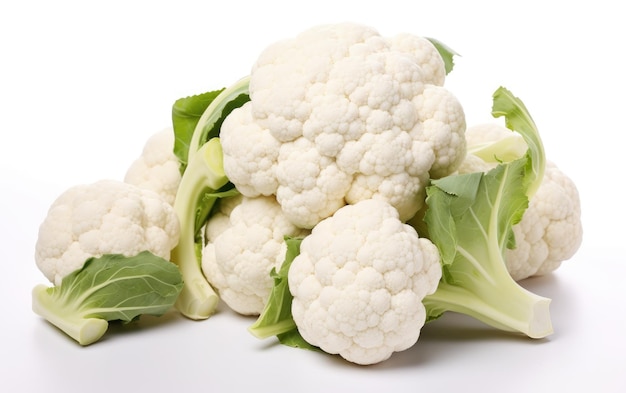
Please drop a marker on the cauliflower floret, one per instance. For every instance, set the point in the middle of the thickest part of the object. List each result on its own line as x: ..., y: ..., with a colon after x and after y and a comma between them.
x: 245, y: 240
x: 220, y: 218
x: 340, y: 114
x: 256, y: 175
x: 158, y: 168
x: 425, y: 54
x: 106, y: 217
x: 359, y: 281
x: 550, y: 231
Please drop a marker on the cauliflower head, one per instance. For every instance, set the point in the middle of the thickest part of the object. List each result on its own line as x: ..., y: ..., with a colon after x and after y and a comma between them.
x: 550, y: 231
x: 157, y: 168
x: 359, y: 281
x: 245, y: 241
x: 105, y: 217
x: 341, y: 114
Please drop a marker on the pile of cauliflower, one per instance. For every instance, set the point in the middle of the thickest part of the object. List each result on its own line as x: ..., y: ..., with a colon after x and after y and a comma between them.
x: 343, y: 131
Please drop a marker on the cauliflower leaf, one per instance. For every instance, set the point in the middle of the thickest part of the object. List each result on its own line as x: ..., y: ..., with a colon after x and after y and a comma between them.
x: 446, y: 53
x: 109, y: 288
x: 198, y: 118
x: 470, y: 219
x: 276, y: 319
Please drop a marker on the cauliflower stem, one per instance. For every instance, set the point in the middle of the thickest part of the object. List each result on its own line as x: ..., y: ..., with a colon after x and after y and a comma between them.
x: 470, y: 219
x: 84, y: 330
x: 203, y: 182
x: 476, y: 281
x: 198, y: 118
x: 210, y: 122
x: 199, y: 189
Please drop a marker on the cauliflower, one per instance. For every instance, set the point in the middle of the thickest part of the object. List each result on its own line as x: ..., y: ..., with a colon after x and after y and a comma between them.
x: 550, y: 231
x: 340, y: 114
x: 245, y: 241
x: 158, y: 168
x: 359, y: 281
x: 220, y: 217
x: 105, y: 217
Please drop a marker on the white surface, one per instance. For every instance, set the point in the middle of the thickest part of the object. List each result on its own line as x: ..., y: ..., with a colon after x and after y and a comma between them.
x: 82, y: 86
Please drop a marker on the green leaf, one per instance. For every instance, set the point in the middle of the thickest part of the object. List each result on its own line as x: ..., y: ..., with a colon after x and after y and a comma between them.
x: 210, y: 123
x: 518, y: 118
x: 198, y: 118
x: 293, y: 339
x: 276, y: 317
x: 470, y: 220
x: 448, y: 198
x: 109, y: 288
x: 205, y: 207
x: 186, y: 113
x: 446, y: 53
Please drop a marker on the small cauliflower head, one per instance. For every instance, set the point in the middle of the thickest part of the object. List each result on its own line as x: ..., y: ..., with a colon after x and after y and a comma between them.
x: 157, y: 168
x: 340, y: 114
x: 550, y: 231
x: 245, y: 241
x: 105, y: 217
x: 359, y: 281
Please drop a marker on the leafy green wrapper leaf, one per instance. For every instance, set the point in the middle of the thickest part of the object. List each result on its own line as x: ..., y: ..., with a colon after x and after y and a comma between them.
x: 109, y: 288
x: 470, y: 219
x: 446, y: 53
x: 186, y: 113
x: 276, y: 316
x: 293, y: 339
x: 471, y: 214
x: 518, y: 118
x: 199, y: 118
x: 276, y: 319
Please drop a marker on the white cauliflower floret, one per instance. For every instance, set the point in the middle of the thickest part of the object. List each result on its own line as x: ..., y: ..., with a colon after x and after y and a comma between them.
x: 255, y: 175
x: 340, y: 114
x: 243, y: 246
x: 106, y: 217
x: 158, y: 168
x: 550, y: 231
x: 220, y: 218
x: 425, y: 55
x: 359, y: 281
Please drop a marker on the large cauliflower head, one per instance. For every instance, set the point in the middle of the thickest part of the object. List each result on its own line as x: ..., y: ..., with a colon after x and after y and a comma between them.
x: 105, y: 217
x: 550, y: 231
x: 340, y: 114
x: 359, y: 281
x: 245, y: 241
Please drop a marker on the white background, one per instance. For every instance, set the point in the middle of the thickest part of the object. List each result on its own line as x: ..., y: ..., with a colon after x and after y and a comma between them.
x: 84, y: 84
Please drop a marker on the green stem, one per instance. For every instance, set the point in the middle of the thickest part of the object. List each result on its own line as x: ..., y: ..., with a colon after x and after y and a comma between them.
x: 261, y: 331
x: 84, y: 330
x: 519, y: 311
x: 204, y: 174
x: 213, y: 113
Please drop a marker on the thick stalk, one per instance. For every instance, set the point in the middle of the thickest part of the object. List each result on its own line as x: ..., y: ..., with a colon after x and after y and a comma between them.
x: 213, y: 113
x: 84, y: 330
x: 505, y: 305
x: 205, y: 174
